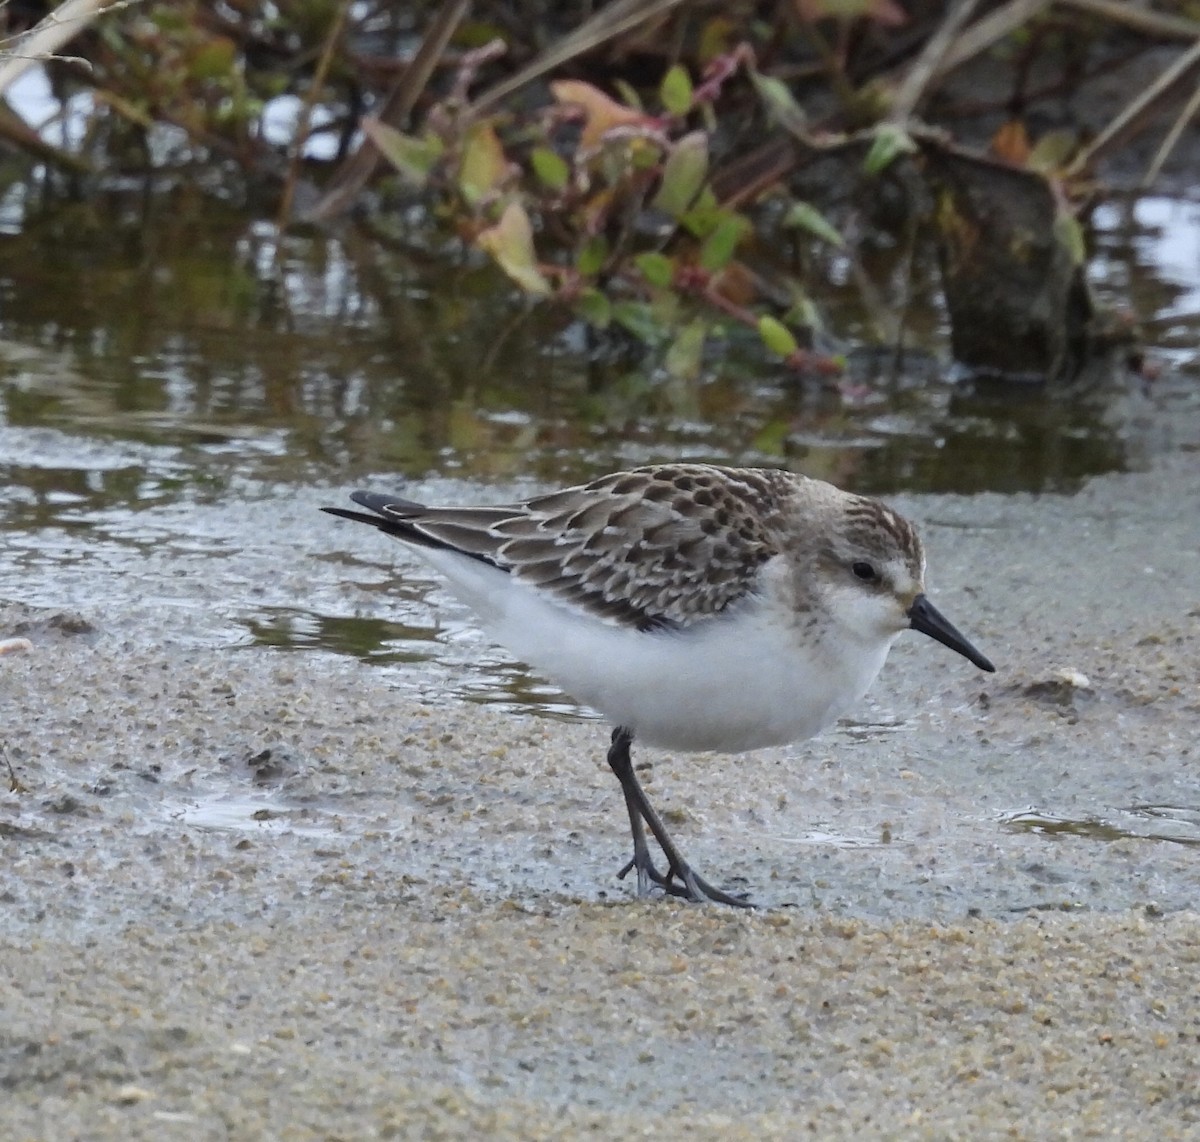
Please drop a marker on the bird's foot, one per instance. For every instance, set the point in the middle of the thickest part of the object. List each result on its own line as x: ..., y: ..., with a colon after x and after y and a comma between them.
x: 697, y: 889
x: 683, y: 882
x: 647, y: 874
x: 679, y: 879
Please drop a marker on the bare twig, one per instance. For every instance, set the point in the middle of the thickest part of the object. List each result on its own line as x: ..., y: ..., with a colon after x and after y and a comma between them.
x: 607, y: 24
x: 611, y: 21
x: 1140, y: 19
x: 304, y: 122
x: 358, y: 168
x: 832, y: 62
x: 1168, y: 144
x: 14, y: 130
x: 1156, y: 91
x: 468, y: 68
x: 49, y: 34
x: 990, y: 30
x: 921, y: 74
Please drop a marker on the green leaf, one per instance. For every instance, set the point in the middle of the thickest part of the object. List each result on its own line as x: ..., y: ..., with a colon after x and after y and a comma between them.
x: 413, y: 158
x: 639, y: 318
x: 846, y: 9
x: 802, y: 312
x: 665, y: 306
x: 594, y: 307
x: 776, y: 336
x: 657, y: 269
x: 644, y: 154
x: 628, y: 94
x: 803, y: 216
x: 1053, y: 151
x: 510, y: 242
x: 686, y: 353
x: 890, y: 143
x: 550, y: 167
x: 675, y: 91
x: 772, y: 437
x: 213, y: 60
x: 590, y: 260
x: 719, y: 246
x: 484, y: 164
x: 683, y: 174
x: 704, y: 216
x: 1070, y: 236
x: 781, y: 105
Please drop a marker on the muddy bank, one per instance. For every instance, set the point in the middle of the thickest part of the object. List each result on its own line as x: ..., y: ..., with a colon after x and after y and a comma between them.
x: 253, y: 893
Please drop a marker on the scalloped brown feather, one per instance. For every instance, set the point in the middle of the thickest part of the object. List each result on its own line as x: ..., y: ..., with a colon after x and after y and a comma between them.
x: 656, y: 546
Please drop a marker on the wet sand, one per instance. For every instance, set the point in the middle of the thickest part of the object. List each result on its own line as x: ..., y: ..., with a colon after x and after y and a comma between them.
x: 251, y: 894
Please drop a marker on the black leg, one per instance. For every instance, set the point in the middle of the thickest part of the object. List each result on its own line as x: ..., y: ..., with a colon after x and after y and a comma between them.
x: 622, y: 765
x: 691, y: 885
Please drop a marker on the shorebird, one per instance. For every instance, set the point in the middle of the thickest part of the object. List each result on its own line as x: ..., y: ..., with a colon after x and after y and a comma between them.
x: 696, y: 607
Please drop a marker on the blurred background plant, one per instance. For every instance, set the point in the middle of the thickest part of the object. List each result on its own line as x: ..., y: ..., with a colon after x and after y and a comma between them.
x: 667, y: 173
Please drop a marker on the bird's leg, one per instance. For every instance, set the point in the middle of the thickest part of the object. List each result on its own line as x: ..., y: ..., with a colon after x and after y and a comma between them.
x: 622, y: 765
x: 692, y: 885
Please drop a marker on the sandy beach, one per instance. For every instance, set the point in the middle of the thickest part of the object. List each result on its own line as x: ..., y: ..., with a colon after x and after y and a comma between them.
x: 260, y: 894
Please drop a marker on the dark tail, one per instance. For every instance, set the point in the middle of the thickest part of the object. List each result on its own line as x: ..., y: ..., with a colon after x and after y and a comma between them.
x: 401, y: 519
x: 393, y: 516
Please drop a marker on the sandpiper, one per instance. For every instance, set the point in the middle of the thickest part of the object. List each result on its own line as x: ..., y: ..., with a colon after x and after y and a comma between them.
x: 697, y: 607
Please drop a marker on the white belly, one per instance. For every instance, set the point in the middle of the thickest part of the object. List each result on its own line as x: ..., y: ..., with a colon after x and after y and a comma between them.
x: 743, y: 680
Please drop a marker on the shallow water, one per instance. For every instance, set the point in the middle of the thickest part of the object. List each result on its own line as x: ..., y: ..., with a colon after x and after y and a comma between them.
x: 174, y: 413
x: 164, y: 369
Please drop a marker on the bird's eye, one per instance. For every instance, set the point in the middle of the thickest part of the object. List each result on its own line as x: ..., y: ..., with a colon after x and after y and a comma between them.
x: 865, y: 572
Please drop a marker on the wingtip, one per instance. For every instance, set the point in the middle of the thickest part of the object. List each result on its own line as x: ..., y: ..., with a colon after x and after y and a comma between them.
x: 391, y: 506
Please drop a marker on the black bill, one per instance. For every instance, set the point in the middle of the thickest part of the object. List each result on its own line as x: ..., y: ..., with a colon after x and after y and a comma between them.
x: 926, y: 618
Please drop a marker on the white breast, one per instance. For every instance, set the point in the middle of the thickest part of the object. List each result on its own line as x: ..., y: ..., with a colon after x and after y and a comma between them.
x: 751, y: 677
